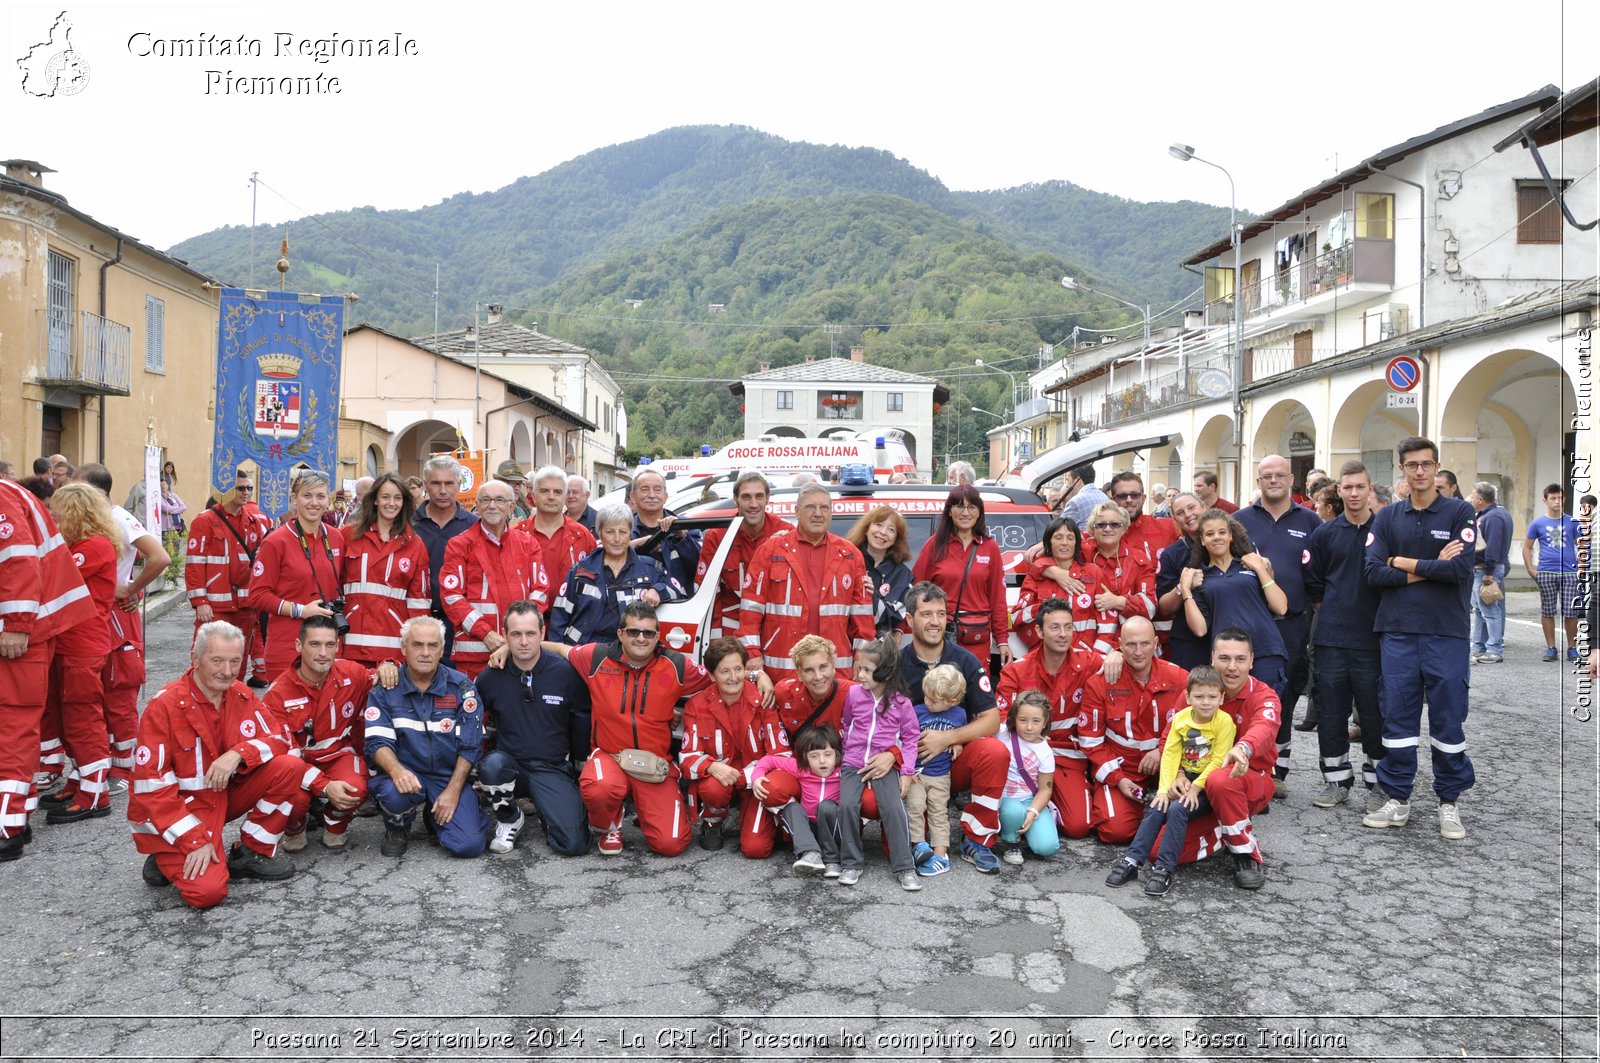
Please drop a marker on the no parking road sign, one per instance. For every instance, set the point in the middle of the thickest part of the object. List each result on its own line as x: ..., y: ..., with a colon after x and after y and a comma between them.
x: 1403, y: 373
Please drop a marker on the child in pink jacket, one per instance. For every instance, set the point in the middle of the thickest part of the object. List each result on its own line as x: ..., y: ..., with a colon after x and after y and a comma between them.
x: 878, y: 717
x: 816, y: 765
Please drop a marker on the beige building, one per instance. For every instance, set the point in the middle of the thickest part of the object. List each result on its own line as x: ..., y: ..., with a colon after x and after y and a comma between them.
x: 105, y: 342
x: 842, y: 396
x: 401, y: 402
x: 569, y: 377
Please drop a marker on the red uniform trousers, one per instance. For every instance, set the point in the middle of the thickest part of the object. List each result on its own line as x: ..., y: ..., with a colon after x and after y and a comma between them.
x: 1116, y: 817
x: 781, y: 789
x: 981, y: 770
x: 23, y: 682
x: 1233, y: 802
x: 709, y: 800
x: 344, y: 766
x: 249, y: 622
x: 662, y: 815
x: 1070, y: 794
x: 74, y: 716
x: 268, y: 797
x: 123, y: 676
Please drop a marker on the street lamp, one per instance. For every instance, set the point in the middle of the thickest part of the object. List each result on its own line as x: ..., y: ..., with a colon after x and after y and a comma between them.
x: 1183, y: 153
x: 981, y: 364
x: 986, y: 413
x: 1072, y: 285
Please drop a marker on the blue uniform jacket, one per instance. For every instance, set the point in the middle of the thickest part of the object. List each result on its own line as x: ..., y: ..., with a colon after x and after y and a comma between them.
x: 1285, y: 542
x: 1494, y: 536
x: 542, y: 716
x: 427, y: 729
x: 890, y: 581
x: 678, y: 552
x: 1438, y: 605
x: 436, y: 537
x: 1337, y: 579
x: 590, y: 603
x: 1169, y: 573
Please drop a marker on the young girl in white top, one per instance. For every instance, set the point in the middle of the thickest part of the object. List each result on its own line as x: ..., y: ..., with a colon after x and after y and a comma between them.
x: 1025, y: 801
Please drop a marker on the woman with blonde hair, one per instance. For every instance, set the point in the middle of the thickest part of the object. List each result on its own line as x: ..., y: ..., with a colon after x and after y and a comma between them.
x: 74, y: 721
x: 880, y: 535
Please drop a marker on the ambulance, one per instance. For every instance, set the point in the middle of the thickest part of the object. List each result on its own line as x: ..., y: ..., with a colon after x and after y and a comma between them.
x: 884, y: 450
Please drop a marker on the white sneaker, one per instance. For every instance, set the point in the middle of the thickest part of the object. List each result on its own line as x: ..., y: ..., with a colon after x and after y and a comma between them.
x: 1450, y: 826
x: 850, y: 876
x: 505, y: 834
x: 909, y: 882
x: 1393, y: 813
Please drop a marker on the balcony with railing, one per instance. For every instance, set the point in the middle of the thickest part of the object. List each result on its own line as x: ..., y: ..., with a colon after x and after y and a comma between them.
x: 840, y: 406
x: 1363, y: 267
x: 1195, y: 383
x: 94, y: 357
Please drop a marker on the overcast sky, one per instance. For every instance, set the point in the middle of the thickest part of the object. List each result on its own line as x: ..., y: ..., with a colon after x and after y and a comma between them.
x: 981, y: 95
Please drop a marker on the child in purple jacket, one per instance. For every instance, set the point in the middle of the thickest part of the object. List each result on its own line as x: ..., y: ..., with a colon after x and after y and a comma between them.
x: 878, y: 717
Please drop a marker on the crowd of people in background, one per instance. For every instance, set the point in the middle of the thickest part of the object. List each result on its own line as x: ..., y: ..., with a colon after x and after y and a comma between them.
x: 388, y: 651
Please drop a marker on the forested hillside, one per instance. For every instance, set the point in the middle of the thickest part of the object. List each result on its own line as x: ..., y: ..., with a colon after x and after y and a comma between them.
x: 920, y: 291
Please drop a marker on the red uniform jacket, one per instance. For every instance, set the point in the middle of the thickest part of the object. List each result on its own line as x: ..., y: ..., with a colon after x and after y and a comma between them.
x: 284, y: 573
x: 725, y: 612
x: 794, y: 705
x: 1130, y: 576
x: 633, y: 708
x: 1037, y: 588
x: 216, y: 563
x: 735, y: 735
x: 480, y: 578
x: 1132, y: 717
x: 385, y: 584
x: 571, y: 543
x: 41, y: 593
x: 1147, y: 536
x: 1256, y: 711
x: 180, y: 734
x: 983, y: 597
x: 780, y: 606
x: 96, y: 559
x: 1064, y: 689
x: 324, y: 722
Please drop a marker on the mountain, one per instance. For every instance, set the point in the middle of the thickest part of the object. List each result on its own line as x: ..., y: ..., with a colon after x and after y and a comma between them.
x: 497, y: 246
x: 1135, y: 246
x: 922, y: 292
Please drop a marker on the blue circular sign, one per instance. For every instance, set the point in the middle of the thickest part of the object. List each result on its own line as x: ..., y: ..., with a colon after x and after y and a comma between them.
x: 1403, y: 373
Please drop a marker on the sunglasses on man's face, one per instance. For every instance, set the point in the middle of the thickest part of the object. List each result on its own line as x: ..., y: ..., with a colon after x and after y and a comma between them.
x: 640, y: 632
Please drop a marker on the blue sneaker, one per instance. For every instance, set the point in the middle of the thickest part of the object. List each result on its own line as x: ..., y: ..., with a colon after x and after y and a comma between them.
x: 1550, y: 654
x: 1572, y: 654
x: 936, y: 865
x: 922, y: 854
x: 980, y: 857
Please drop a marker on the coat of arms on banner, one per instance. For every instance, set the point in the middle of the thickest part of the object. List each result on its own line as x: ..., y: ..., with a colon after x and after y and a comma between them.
x: 278, y: 409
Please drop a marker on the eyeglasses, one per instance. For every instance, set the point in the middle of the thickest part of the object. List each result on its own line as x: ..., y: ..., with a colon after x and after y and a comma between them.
x: 494, y: 501
x: 1128, y: 496
x: 1107, y: 526
x: 245, y: 489
x: 1419, y: 466
x: 964, y: 505
x: 1273, y: 476
x: 641, y: 632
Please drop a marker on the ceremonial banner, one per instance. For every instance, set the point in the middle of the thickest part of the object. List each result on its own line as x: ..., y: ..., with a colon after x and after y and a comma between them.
x: 278, y: 356
x: 152, y: 491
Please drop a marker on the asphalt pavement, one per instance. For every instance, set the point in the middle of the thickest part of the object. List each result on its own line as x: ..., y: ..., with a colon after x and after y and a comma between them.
x: 1363, y: 945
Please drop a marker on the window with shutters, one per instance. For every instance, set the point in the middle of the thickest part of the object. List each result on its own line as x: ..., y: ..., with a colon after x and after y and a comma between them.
x: 1538, y: 216
x: 155, y: 335
x: 62, y: 298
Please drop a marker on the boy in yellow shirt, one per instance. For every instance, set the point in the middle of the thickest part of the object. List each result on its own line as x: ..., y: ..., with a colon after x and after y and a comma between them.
x: 1198, y: 739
